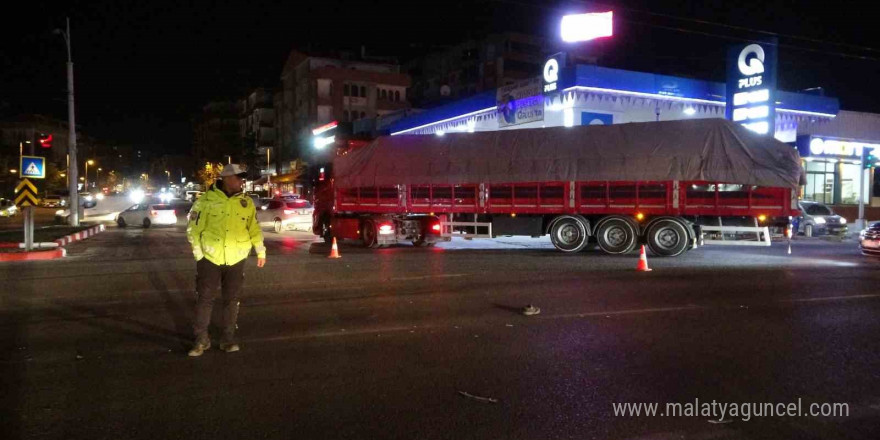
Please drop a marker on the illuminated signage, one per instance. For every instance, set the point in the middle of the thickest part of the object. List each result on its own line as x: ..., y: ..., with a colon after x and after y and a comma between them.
x: 586, y: 27
x: 323, y: 142
x: 751, y: 86
x: 519, y: 103
x: 550, y: 74
x: 810, y: 146
x: 324, y: 128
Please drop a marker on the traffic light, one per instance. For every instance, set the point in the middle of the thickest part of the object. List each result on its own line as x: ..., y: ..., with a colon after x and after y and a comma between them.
x: 45, y: 140
x: 869, y: 158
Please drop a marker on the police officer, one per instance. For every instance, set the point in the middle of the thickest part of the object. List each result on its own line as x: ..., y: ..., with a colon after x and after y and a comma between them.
x: 222, y: 229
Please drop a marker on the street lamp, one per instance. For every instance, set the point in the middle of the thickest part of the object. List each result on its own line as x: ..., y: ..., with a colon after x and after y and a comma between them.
x: 98, y: 177
x: 71, y: 126
x: 168, y: 173
x: 88, y: 162
x: 268, y: 170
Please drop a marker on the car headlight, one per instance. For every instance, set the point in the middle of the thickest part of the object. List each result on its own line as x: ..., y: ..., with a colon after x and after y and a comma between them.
x: 820, y: 221
x: 100, y: 196
x: 89, y: 198
x: 59, y: 212
x: 843, y: 220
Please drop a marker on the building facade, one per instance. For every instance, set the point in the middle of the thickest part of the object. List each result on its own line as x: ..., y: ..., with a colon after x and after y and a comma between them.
x: 590, y: 95
x: 475, y: 66
x: 217, y: 133
x: 257, y: 131
x: 316, y: 90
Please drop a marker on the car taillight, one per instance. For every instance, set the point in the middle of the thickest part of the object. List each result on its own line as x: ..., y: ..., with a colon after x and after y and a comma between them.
x: 386, y: 229
x: 435, y: 227
x: 289, y: 212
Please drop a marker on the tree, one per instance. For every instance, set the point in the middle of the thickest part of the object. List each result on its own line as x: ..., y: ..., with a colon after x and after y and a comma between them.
x: 56, y: 179
x: 209, y: 173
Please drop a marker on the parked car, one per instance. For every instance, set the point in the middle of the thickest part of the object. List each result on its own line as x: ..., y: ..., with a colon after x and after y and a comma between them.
x: 869, y: 240
x: 8, y: 208
x: 146, y: 215
x: 281, y: 215
x: 54, y: 201
x: 817, y: 219
x: 192, y: 196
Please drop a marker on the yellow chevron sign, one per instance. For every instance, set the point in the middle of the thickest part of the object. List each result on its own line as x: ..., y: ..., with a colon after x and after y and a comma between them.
x: 25, y: 194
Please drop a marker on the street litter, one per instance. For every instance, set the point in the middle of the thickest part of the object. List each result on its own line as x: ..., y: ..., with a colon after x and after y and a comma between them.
x: 481, y: 399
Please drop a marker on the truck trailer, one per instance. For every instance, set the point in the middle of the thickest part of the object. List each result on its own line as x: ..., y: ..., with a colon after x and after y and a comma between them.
x: 668, y: 185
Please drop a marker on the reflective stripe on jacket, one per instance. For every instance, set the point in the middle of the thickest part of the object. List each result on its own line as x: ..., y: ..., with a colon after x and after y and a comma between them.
x: 223, y: 228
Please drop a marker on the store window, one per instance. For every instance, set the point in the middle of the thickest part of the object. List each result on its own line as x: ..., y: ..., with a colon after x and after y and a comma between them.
x: 397, y: 96
x: 849, y: 184
x: 363, y: 92
x: 345, y: 90
x: 820, y: 181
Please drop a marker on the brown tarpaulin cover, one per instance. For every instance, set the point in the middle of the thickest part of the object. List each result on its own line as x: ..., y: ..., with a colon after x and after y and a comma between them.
x: 698, y: 149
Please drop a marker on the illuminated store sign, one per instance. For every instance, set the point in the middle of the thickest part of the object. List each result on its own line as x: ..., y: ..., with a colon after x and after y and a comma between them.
x: 552, y: 72
x: 751, y: 86
x: 586, y: 27
x: 811, y: 146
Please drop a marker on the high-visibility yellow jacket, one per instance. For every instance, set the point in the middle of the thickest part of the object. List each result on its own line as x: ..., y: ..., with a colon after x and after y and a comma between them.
x: 223, y: 228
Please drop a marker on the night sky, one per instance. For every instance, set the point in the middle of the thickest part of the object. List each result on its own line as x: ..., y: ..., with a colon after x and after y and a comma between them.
x: 144, y: 69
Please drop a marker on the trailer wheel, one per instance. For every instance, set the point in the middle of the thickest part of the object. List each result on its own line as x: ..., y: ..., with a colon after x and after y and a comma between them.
x: 667, y: 238
x: 616, y: 235
x: 370, y: 234
x: 569, y: 234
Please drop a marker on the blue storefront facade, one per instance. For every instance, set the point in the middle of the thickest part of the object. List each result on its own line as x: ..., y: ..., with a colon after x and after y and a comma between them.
x: 589, y: 95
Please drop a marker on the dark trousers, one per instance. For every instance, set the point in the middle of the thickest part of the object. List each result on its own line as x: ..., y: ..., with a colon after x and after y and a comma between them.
x: 209, y: 279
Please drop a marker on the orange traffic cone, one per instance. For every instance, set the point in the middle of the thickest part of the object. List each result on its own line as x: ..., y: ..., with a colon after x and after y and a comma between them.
x: 643, y: 261
x: 334, y: 250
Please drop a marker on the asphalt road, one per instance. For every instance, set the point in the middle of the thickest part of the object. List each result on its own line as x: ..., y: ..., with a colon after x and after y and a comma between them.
x: 380, y: 344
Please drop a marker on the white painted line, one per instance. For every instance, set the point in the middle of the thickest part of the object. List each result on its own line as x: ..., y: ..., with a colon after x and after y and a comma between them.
x: 426, y: 277
x: 831, y: 298
x: 624, y: 312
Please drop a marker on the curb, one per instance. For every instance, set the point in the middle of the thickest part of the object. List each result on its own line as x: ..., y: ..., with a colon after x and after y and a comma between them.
x: 81, y: 235
x: 34, y: 256
x: 63, y: 241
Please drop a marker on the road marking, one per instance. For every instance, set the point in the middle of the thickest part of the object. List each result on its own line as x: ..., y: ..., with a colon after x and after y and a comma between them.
x: 830, y: 298
x: 425, y: 277
x: 624, y: 312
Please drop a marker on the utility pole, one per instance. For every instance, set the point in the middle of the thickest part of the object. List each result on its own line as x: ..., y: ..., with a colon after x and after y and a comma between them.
x: 72, y: 178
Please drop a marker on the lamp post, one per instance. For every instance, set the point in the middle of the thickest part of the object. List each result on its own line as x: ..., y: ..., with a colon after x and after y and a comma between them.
x: 268, y: 171
x: 71, y: 123
x: 86, y: 186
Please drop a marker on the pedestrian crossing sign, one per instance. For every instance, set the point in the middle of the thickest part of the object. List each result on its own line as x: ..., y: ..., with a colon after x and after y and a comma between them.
x: 33, y: 167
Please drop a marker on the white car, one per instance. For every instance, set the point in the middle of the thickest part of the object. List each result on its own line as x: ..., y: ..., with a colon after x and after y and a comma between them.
x: 8, y: 208
x: 283, y: 215
x: 146, y: 215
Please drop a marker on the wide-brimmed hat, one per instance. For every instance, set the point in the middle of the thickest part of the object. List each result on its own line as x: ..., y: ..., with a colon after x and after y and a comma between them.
x: 233, y: 169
